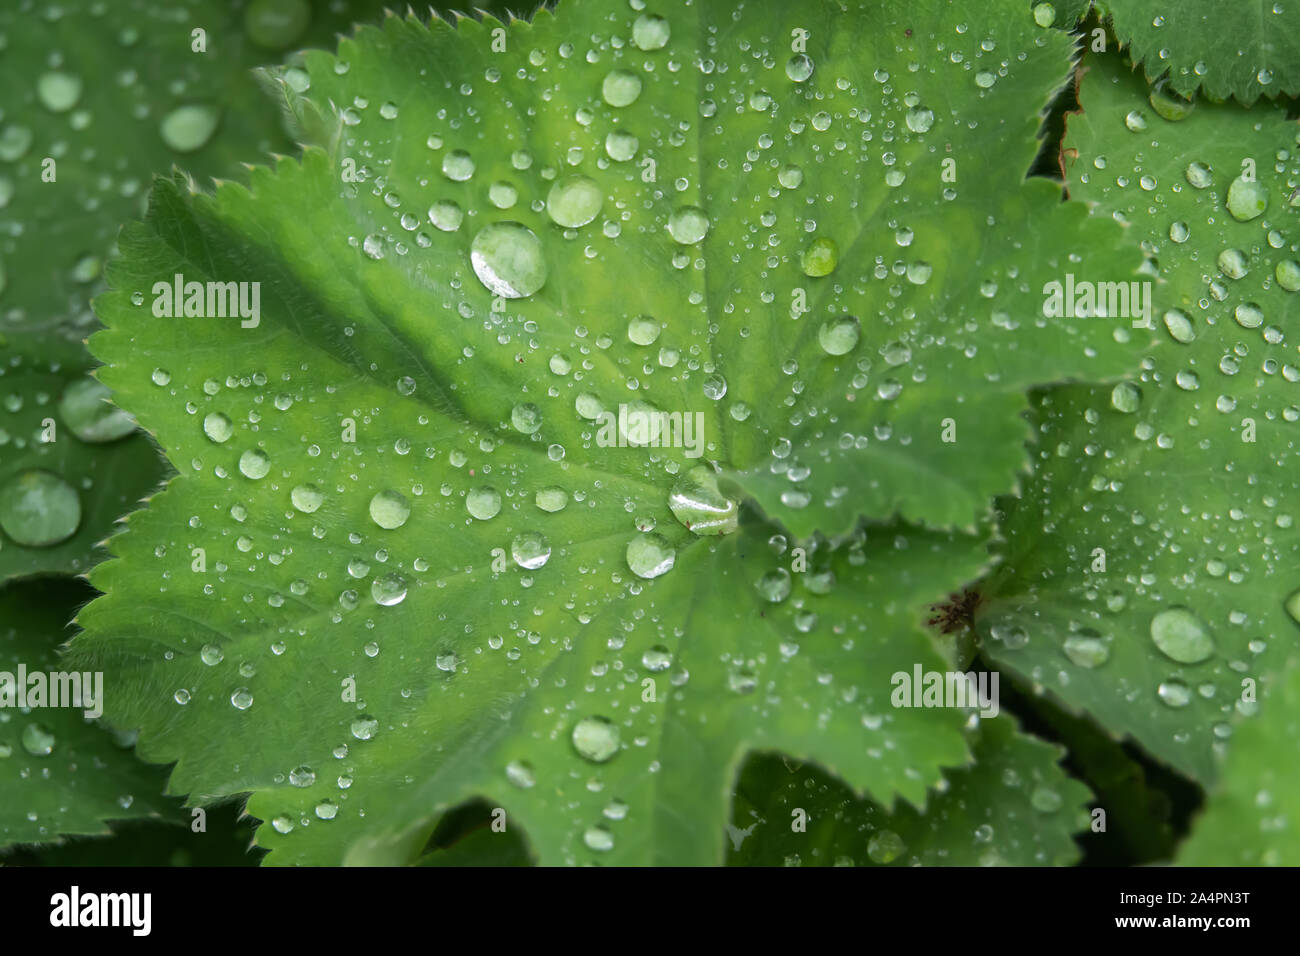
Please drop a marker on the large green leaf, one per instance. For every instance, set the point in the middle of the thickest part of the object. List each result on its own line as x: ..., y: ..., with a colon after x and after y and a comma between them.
x: 1163, y: 511
x: 938, y: 321
x: 395, y: 480
x: 1253, y: 815
x: 94, y: 98
x: 1014, y: 807
x: 60, y: 773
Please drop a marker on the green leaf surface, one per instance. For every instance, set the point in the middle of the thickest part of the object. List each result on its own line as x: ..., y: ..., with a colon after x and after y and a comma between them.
x: 1162, y: 511
x: 1014, y: 807
x: 824, y: 396
x: 395, y: 480
x: 94, y: 99
x: 1252, y: 817
x: 60, y: 773
x: 1244, y: 48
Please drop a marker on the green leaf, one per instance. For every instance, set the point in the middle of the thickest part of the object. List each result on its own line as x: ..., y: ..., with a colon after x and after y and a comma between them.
x: 94, y: 98
x: 821, y: 415
x: 1184, y: 479
x: 60, y: 773
x: 1252, y: 817
x: 1014, y: 807
x: 372, y: 465
x: 1246, y: 49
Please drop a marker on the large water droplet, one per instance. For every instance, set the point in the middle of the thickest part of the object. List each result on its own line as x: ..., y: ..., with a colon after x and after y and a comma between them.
x: 621, y: 88
x: 1247, y: 199
x: 188, y: 128
x: 458, y: 165
x: 1181, y: 635
x: 839, y: 336
x: 650, y: 555
x: 59, y: 92
x: 530, y: 550
x: 254, y: 463
x: 389, y: 509
x: 483, y: 503
x: 650, y: 32
x: 38, y: 509
x: 885, y: 846
x: 84, y: 408
x: 596, y: 739
x: 389, y: 589
x: 688, y: 224
x: 37, y: 740
x: 574, y: 201
x: 700, y: 505
x: 507, y: 258
x: 306, y: 498
x: 820, y: 258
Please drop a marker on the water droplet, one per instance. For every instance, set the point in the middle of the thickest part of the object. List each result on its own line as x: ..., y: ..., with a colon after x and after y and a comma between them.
x: 188, y: 128
x: 643, y: 330
x: 212, y: 655
x: 1247, y: 199
x: 526, y: 418
x: 596, y: 739
x: 1234, y: 263
x: 1179, y: 326
x: 507, y: 258
x: 774, y: 586
x: 530, y: 550
x: 1248, y: 315
x: 574, y: 201
x: 799, y: 67
x: 520, y: 774
x: 389, y: 589
x: 254, y: 463
x: 84, y: 408
x: 1135, y: 121
x: 1169, y: 104
x: 218, y: 427
x: 697, y: 503
x: 1044, y: 14
x: 365, y: 727
x: 59, y: 92
x: 446, y: 215
x: 38, y: 509
x: 820, y: 258
x: 1288, y: 275
x: 1174, y: 693
x: 650, y: 555
x: 598, y: 838
x: 657, y: 658
x: 1181, y: 635
x: 620, y: 145
x: 389, y: 509
x: 483, y: 503
x: 650, y: 32
x: 885, y: 846
x: 1199, y: 175
x: 839, y: 336
x: 920, y: 120
x: 241, y: 698
x: 306, y: 498
x: 1086, y: 649
x: 302, y: 776
x: 458, y: 166
x: 1126, y: 397
x: 1045, y: 800
x: 620, y: 88
x: 688, y: 225
x: 37, y: 740
x: 551, y: 499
